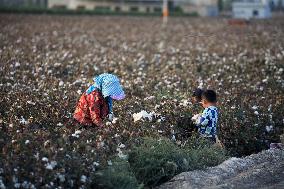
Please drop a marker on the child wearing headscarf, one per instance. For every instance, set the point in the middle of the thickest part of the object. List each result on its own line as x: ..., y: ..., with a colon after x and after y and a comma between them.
x: 96, y: 103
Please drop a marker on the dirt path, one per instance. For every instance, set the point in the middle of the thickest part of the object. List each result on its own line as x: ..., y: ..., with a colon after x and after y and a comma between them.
x: 263, y: 170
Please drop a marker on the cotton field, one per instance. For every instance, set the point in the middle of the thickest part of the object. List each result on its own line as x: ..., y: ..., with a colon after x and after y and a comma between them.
x: 47, y: 62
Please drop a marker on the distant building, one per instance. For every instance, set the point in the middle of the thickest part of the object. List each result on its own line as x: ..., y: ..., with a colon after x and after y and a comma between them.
x: 276, y: 4
x: 248, y: 9
x: 24, y: 3
x: 201, y: 7
x: 145, y: 6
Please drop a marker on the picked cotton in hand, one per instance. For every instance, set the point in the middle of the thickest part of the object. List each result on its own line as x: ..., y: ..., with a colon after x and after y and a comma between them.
x: 196, y: 118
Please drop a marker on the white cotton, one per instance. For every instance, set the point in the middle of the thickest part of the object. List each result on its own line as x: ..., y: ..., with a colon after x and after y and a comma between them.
x: 30, y: 102
x: 149, y: 98
x: 83, y: 179
x: 269, y: 128
x: 121, y: 145
x: 23, y: 121
x: 76, y: 134
x: 51, y: 165
x: 2, y: 185
x: 59, y: 124
x: 61, y: 177
x: 185, y: 103
x: 196, y: 118
x: 115, y: 119
x: 96, y: 164
x: 17, y: 64
x: 46, y: 143
x: 17, y: 185
x: 254, y: 107
x: 120, y: 154
x: 45, y: 159
x: 143, y: 114
x: 61, y: 83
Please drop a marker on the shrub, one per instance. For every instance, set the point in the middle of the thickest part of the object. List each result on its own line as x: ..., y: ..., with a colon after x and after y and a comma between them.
x: 202, y: 154
x: 156, y: 161
x: 153, y: 162
x: 118, y: 175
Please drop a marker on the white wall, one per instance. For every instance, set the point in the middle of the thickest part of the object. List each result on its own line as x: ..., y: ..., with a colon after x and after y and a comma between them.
x: 246, y: 10
x: 52, y: 3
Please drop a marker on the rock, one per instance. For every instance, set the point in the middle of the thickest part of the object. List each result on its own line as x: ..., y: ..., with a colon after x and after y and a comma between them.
x: 262, y: 170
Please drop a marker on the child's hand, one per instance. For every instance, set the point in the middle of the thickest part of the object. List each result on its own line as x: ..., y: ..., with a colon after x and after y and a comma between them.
x: 110, y: 117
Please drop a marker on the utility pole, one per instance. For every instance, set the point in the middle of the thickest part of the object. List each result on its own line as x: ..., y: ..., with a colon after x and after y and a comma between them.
x: 165, y: 12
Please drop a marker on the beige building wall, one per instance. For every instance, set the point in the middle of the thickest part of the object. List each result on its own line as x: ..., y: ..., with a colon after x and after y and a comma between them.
x: 204, y: 2
x: 75, y: 4
x: 58, y: 3
x: 91, y: 5
x: 202, y: 7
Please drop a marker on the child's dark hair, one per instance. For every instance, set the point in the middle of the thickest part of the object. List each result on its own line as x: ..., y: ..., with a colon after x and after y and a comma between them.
x: 210, y: 96
x: 197, y: 93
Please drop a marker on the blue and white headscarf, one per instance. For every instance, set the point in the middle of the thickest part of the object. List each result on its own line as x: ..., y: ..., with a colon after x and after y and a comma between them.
x: 109, y: 86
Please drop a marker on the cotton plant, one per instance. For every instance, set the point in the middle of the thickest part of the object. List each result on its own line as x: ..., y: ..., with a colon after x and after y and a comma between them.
x: 41, y: 78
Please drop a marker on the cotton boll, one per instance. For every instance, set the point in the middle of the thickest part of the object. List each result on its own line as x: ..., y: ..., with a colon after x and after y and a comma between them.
x: 59, y: 124
x: 254, y: 107
x: 23, y: 121
x: 121, y: 145
x: 45, y: 159
x: 61, y: 83
x: 76, y: 134
x: 196, y: 118
x: 51, y: 165
x: 17, y: 64
x: 96, y: 164
x: 120, y: 154
x: 149, y: 98
x: 30, y: 102
x: 269, y: 128
x: 185, y: 103
x: 83, y: 179
x: 61, y: 177
x: 142, y: 114
x: 114, y: 121
x: 109, y: 162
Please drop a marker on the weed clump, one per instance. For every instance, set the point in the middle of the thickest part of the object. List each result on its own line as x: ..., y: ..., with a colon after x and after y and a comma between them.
x: 156, y: 161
